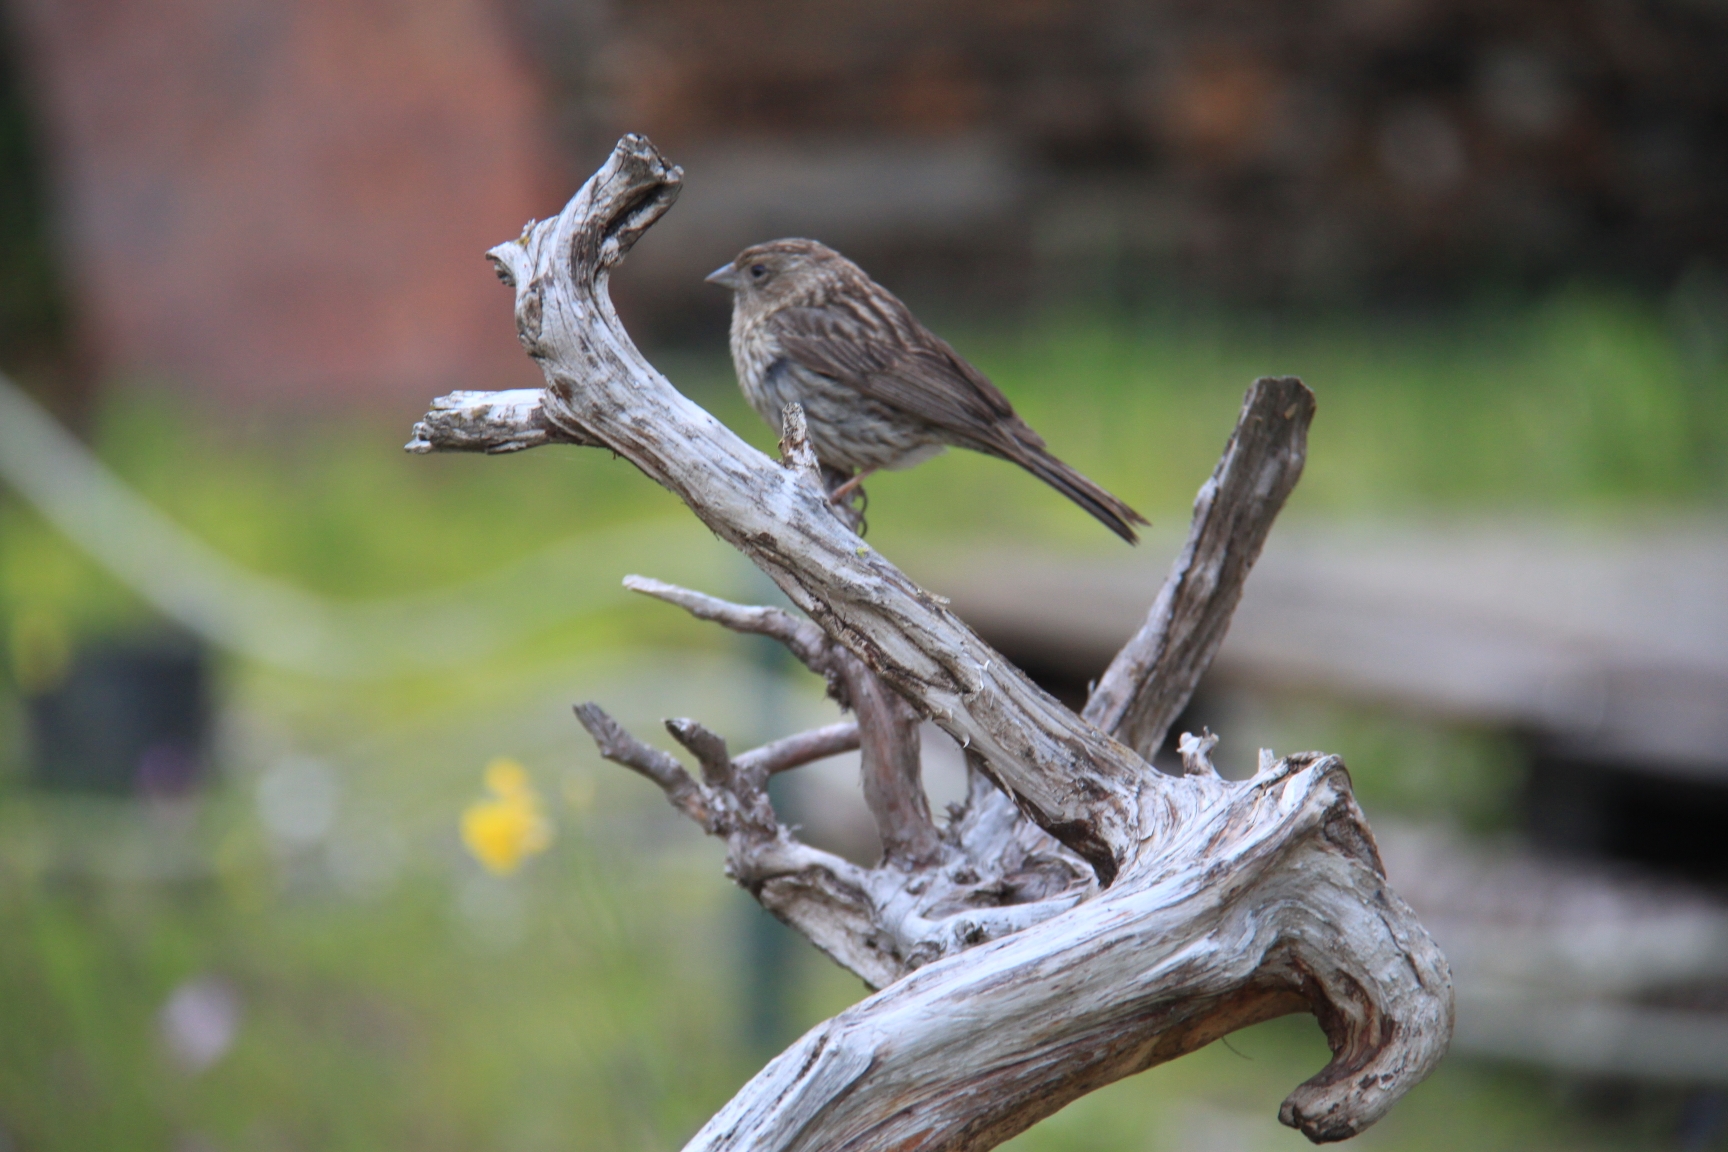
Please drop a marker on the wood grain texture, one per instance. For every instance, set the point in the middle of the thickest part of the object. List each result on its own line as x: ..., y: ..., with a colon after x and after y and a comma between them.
x: 490, y: 422
x: 1154, y: 675
x: 1080, y: 916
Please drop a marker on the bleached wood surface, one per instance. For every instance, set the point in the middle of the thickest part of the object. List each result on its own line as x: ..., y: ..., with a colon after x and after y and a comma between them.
x: 1083, y: 916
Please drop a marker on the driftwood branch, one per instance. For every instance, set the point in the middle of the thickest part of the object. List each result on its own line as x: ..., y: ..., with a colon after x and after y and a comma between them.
x: 1092, y: 793
x: 1155, y: 674
x: 491, y: 422
x: 1080, y: 916
x: 791, y: 752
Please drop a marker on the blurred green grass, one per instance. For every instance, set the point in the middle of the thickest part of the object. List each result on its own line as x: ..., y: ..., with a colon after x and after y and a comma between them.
x: 596, y: 999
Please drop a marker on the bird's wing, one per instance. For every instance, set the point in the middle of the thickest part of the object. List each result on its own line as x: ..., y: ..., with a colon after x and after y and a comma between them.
x: 896, y: 361
x: 891, y: 358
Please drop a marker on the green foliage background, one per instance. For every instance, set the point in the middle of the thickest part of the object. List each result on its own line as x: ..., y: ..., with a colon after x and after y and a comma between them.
x: 599, y: 998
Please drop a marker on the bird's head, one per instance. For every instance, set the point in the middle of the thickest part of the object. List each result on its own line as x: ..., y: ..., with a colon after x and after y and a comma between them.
x: 780, y: 273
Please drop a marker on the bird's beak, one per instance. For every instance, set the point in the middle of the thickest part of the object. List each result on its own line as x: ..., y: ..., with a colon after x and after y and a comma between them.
x: 726, y: 276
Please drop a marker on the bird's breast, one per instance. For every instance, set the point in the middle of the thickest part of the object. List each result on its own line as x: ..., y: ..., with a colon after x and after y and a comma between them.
x: 847, y: 428
x: 754, y: 351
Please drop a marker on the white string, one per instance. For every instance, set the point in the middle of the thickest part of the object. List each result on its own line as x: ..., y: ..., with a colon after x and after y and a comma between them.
x: 275, y: 623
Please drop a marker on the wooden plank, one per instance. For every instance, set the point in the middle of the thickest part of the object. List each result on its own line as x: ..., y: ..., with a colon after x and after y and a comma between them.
x: 1611, y: 641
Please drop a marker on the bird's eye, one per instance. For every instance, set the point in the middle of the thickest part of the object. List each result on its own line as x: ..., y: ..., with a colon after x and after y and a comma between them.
x: 757, y: 271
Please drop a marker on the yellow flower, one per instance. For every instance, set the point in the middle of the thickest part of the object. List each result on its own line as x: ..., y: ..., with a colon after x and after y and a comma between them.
x: 509, y: 827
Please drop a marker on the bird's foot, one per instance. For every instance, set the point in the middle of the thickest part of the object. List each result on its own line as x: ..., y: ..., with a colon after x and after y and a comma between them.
x: 843, y: 493
x: 851, y: 501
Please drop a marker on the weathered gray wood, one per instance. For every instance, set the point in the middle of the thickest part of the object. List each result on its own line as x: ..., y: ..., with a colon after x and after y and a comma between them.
x: 821, y: 895
x: 791, y: 752
x: 891, y: 764
x: 1089, y: 791
x: 620, y: 747
x: 968, y: 1051
x: 935, y: 893
x: 1154, y: 675
x: 1081, y: 916
x: 491, y: 422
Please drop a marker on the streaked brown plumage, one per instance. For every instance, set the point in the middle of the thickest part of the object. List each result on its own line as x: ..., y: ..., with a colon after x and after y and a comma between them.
x: 879, y: 389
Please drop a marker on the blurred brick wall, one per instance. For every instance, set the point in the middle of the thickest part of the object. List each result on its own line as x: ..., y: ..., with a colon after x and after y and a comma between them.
x: 1261, y: 149
x: 288, y: 201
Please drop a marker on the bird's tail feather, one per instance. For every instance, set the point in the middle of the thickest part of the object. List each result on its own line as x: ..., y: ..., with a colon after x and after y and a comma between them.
x: 1114, y: 514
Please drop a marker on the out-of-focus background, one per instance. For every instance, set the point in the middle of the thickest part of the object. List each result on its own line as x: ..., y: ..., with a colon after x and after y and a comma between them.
x: 300, y: 847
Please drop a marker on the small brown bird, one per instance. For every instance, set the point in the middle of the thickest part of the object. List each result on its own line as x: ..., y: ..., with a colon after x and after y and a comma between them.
x: 879, y: 389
